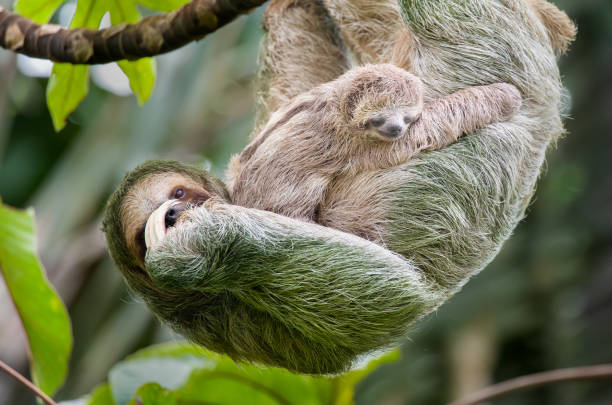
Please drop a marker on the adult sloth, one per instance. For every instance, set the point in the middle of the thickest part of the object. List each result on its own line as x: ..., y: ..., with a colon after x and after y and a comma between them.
x: 271, y: 289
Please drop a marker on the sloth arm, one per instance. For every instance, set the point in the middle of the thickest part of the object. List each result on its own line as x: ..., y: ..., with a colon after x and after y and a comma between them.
x: 445, y: 119
x: 301, y: 50
x: 261, y: 257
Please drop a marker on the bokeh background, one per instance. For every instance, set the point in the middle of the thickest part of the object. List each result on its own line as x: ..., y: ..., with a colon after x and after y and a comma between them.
x: 544, y: 303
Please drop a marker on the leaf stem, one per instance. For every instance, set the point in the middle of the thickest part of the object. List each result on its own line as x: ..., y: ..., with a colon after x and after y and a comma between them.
x: 534, y: 380
x: 15, y: 374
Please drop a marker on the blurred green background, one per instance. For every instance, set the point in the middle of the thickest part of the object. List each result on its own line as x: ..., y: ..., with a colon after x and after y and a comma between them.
x: 544, y: 303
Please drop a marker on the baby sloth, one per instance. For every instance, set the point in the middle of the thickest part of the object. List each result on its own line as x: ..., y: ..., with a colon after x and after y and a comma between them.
x: 370, y: 118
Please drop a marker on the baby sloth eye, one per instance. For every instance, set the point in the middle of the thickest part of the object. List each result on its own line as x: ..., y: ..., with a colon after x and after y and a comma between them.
x: 409, y: 119
x: 377, y: 122
x: 179, y: 193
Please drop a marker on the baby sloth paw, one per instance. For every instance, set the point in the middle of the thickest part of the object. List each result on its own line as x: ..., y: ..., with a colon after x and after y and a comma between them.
x: 510, y: 99
x: 391, y: 127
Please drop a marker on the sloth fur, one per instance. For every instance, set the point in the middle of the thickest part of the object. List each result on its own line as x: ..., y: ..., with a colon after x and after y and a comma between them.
x: 369, y: 119
x: 266, y: 288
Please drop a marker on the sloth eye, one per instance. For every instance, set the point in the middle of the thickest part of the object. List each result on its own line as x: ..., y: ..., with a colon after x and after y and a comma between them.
x: 377, y: 122
x: 179, y: 193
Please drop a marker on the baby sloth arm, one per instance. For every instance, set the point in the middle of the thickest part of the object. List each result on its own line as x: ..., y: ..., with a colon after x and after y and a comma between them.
x: 444, y: 120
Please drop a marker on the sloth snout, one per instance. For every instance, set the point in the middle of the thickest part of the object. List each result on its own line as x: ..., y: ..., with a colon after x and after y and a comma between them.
x: 173, y: 214
x: 391, y: 130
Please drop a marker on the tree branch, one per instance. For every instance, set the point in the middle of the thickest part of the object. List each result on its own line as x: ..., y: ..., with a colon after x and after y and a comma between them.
x: 149, y: 37
x: 13, y: 373
x: 534, y: 380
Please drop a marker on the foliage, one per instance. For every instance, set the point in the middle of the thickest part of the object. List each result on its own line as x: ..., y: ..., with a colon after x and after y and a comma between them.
x: 43, y: 315
x: 173, y: 374
x: 69, y: 84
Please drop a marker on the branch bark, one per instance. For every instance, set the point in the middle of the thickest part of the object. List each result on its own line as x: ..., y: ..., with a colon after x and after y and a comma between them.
x: 13, y: 373
x: 149, y: 37
x: 534, y: 380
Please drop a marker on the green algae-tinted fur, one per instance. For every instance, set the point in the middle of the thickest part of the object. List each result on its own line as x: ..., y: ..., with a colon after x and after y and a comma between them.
x: 273, y: 290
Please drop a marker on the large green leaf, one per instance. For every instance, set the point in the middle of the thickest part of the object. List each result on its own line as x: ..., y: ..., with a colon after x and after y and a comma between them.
x: 169, y: 371
x: 189, y: 374
x: 44, y: 317
x: 178, y: 373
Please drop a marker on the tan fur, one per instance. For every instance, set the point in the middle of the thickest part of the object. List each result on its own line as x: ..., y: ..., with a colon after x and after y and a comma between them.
x: 561, y: 30
x: 328, y: 132
x: 376, y: 32
x: 293, y: 63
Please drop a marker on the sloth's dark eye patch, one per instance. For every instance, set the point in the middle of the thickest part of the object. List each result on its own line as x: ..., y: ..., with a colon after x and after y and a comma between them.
x: 377, y: 122
x: 179, y: 193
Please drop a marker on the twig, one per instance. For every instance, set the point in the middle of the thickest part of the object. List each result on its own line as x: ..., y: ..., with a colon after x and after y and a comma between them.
x: 534, y: 380
x: 15, y: 374
x: 149, y: 37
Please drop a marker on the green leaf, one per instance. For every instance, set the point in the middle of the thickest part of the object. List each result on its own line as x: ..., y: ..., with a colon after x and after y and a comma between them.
x: 141, y: 72
x: 67, y: 87
x: 37, y: 10
x: 153, y: 394
x: 174, y: 373
x: 171, y: 371
x: 142, y: 77
x: 69, y: 84
x: 102, y: 396
x: 163, y: 5
x: 43, y: 314
x: 194, y: 375
x: 346, y: 383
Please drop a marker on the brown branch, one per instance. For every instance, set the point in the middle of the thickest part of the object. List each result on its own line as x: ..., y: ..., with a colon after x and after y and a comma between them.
x: 13, y: 373
x: 149, y: 37
x: 534, y: 380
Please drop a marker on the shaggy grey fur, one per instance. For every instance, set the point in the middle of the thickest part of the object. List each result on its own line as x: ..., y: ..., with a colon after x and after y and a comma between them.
x: 270, y: 289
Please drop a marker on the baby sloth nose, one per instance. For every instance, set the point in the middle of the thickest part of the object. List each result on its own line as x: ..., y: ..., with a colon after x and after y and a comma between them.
x: 391, y: 131
x: 173, y: 214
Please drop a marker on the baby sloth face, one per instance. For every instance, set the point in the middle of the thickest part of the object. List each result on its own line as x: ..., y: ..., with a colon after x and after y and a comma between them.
x: 383, y: 102
x: 390, y: 123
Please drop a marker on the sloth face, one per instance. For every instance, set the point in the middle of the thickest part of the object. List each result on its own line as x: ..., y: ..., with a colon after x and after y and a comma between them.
x: 155, y: 204
x: 390, y: 124
x: 382, y: 101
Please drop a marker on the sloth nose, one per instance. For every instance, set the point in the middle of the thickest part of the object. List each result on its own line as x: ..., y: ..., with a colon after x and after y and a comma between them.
x: 391, y: 131
x: 173, y: 214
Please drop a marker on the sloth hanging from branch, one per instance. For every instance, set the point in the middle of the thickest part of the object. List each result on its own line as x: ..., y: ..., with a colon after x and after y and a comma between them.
x: 355, y: 210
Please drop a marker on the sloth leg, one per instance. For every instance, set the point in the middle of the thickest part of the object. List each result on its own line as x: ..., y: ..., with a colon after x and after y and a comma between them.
x: 373, y: 30
x: 302, y: 49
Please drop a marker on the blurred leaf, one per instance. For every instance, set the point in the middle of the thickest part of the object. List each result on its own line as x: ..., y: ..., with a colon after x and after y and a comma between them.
x: 67, y: 87
x: 102, y: 396
x: 163, y: 5
x: 141, y: 72
x: 197, y: 375
x: 345, y: 384
x: 171, y: 370
x: 43, y: 315
x: 37, y: 10
x: 153, y: 394
x: 69, y: 84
